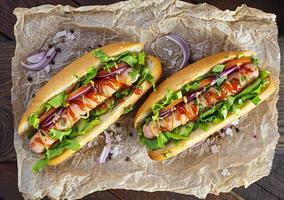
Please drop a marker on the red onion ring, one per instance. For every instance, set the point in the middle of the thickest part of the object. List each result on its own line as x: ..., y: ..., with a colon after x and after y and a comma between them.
x: 106, y: 149
x: 80, y: 93
x: 183, y: 45
x: 43, y: 62
x: 49, y: 119
x: 36, y: 57
x: 121, y: 68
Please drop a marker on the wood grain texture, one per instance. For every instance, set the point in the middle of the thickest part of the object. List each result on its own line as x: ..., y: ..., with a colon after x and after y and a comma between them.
x: 7, y: 19
x: 7, y: 152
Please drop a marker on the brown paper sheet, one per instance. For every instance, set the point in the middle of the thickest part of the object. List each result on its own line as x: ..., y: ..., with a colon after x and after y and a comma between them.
x: 242, y: 158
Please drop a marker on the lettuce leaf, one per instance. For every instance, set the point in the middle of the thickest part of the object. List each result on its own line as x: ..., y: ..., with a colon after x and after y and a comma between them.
x: 91, y: 73
x: 130, y: 59
x: 218, y: 68
x: 170, y: 97
x: 56, y: 151
x: 33, y: 120
x: 58, y: 135
x: 141, y: 58
x: 98, y: 53
x: 128, y: 109
x: 56, y: 101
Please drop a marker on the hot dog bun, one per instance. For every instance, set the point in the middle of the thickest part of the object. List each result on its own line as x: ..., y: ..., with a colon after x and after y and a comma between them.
x: 114, y: 115
x: 175, y: 82
x: 68, y: 76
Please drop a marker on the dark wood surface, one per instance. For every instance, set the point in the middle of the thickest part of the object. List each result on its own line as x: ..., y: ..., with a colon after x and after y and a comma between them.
x: 270, y: 187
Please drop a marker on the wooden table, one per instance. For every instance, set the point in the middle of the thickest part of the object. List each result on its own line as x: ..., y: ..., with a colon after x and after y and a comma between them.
x: 270, y: 187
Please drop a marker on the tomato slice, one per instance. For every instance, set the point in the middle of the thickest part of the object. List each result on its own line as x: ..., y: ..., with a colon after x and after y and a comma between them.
x: 235, y: 84
x: 238, y: 61
x: 79, y: 91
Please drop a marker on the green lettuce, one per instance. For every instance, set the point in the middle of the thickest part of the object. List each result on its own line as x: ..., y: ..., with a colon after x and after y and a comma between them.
x: 56, y: 101
x: 128, y: 109
x: 91, y: 73
x: 56, y: 151
x: 58, y: 135
x: 170, y: 97
x: 218, y: 68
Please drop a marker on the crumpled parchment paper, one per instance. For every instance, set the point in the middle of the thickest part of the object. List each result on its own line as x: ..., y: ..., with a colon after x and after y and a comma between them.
x: 241, y: 159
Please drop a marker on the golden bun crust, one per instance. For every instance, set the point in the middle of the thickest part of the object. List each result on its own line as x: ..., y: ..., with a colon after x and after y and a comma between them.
x: 111, y: 117
x: 184, y: 76
x: 171, y: 150
x: 69, y: 75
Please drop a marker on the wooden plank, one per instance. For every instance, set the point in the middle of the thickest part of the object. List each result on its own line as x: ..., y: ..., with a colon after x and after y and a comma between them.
x: 125, y: 194
x: 97, y: 2
x: 7, y: 152
x: 3, y: 38
x: 9, y: 185
x: 9, y: 182
x: 7, y: 19
x: 270, y: 187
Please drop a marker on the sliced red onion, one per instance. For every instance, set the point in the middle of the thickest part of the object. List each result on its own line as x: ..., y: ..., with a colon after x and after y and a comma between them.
x: 183, y: 45
x: 224, y: 73
x: 121, y: 68
x: 59, y: 34
x: 36, y: 57
x: 50, y: 119
x: 106, y: 149
x: 43, y: 62
x: 163, y: 114
x: 80, y: 93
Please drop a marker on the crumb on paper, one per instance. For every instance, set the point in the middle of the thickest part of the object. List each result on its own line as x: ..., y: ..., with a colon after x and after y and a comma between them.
x: 118, y: 138
x: 59, y: 35
x: 236, y: 122
x: 114, y: 151
x: 221, y: 134
x: 226, y: 172
x: 70, y: 36
x: 47, y: 69
x: 214, y: 149
x: 229, y: 132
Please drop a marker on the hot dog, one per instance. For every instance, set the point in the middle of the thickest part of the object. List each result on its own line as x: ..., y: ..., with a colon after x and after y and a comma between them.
x: 206, y: 95
x: 84, y: 98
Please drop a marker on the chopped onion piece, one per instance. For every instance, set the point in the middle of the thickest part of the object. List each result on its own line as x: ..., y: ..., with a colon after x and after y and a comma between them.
x: 36, y: 57
x: 106, y: 149
x: 42, y: 63
x: 59, y: 34
x: 54, y: 116
x: 121, y: 68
